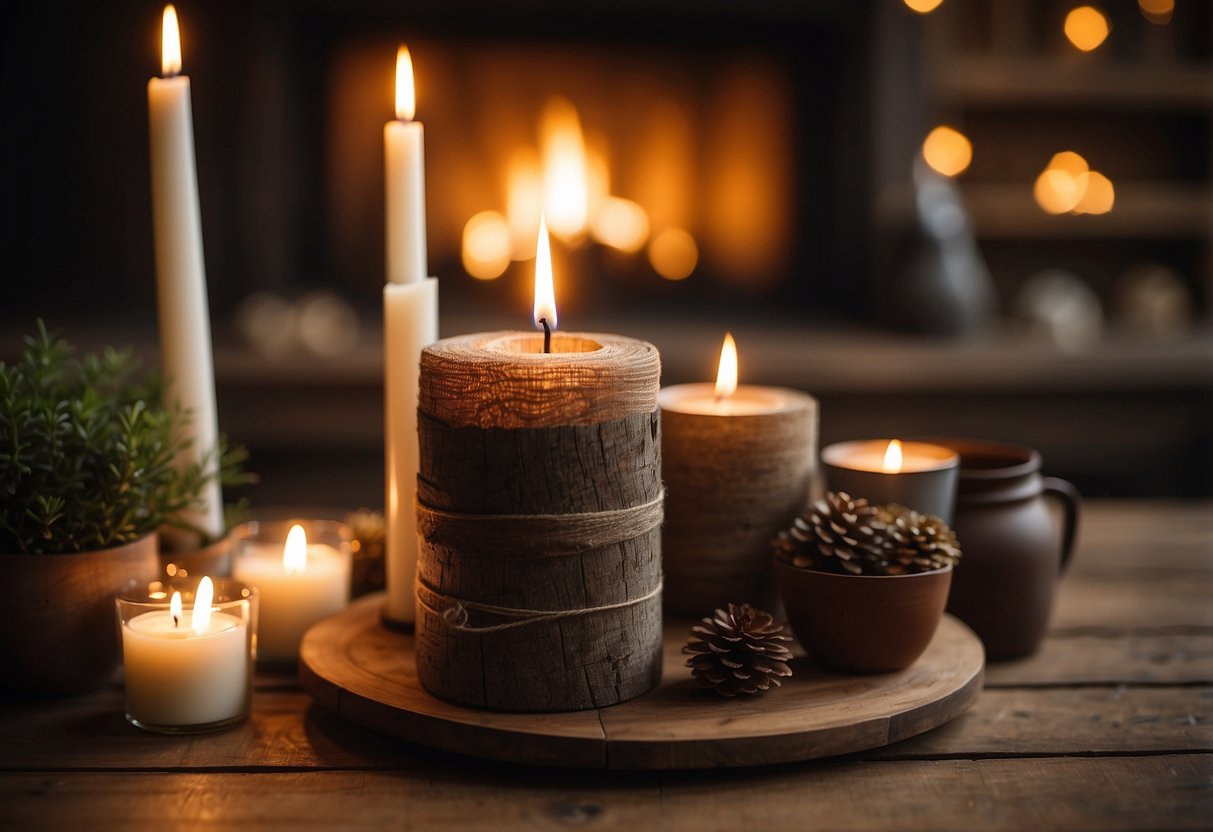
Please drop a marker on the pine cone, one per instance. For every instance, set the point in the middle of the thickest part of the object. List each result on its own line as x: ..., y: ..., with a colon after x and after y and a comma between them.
x: 738, y: 650
x: 916, y: 542
x: 839, y: 535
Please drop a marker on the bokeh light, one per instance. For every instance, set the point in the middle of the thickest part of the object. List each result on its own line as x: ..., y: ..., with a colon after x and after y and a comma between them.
x: 486, y: 245
x: 674, y: 254
x: 947, y: 151
x: 1086, y: 27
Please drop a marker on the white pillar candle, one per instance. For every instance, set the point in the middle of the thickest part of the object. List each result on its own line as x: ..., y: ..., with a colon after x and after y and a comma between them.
x: 186, y: 668
x: 410, y: 322
x: 297, y: 584
x: 185, y: 332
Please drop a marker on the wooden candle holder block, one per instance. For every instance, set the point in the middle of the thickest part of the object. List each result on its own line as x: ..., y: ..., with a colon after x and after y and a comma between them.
x: 539, y: 511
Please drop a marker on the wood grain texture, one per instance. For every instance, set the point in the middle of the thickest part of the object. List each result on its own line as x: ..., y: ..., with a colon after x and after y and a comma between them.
x: 504, y: 379
x: 365, y: 673
x: 533, y: 499
x: 1097, y: 720
x: 1117, y: 793
x: 1145, y: 658
x: 733, y: 483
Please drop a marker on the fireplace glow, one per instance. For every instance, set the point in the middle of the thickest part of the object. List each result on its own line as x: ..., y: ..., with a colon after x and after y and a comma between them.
x: 524, y: 202
x: 621, y: 224
x: 486, y: 245
x: 565, y: 186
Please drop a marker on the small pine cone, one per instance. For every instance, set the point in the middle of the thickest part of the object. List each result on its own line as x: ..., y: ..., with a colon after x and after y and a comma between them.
x: 738, y: 650
x: 916, y: 542
x: 839, y: 535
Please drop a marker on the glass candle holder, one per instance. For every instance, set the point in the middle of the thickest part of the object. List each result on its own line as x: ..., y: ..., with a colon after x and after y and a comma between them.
x: 921, y: 477
x: 186, y: 671
x: 300, y: 576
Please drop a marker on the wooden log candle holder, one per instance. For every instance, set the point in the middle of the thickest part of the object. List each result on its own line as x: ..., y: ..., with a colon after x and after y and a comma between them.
x: 539, y: 507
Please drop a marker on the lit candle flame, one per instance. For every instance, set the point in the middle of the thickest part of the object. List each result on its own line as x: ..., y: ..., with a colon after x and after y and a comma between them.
x: 726, y: 375
x: 892, y: 457
x: 174, y: 608
x: 545, y: 292
x: 294, y: 553
x: 406, y: 96
x: 202, y: 605
x: 170, y: 44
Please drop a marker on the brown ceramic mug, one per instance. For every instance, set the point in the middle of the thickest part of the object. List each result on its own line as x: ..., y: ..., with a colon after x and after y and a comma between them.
x: 1013, y: 552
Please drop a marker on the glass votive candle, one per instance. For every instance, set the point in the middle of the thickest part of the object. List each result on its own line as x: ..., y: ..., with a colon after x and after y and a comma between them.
x: 188, y: 662
x: 918, y: 475
x: 301, y: 569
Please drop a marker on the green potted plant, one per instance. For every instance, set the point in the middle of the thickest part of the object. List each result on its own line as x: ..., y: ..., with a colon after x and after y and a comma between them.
x: 87, y: 476
x: 864, y: 586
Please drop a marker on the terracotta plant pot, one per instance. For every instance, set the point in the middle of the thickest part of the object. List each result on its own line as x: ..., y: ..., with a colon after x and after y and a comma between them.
x: 58, y: 635
x: 863, y: 623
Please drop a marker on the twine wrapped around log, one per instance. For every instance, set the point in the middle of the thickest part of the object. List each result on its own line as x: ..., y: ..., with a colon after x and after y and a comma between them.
x: 733, y: 481
x: 539, y: 511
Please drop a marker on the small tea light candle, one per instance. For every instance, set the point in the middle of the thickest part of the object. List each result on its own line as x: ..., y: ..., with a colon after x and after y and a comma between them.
x: 738, y: 464
x: 918, y: 475
x: 188, y: 669
x: 300, y: 582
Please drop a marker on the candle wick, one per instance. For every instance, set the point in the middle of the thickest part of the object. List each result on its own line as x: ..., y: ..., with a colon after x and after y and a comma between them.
x: 547, y: 335
x: 176, y: 623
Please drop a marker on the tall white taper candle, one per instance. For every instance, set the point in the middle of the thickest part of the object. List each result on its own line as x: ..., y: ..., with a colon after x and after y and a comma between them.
x: 185, y: 331
x: 410, y: 322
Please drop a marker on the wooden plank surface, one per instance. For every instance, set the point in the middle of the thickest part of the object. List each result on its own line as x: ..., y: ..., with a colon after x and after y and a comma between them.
x: 1109, y: 726
x: 1117, y: 793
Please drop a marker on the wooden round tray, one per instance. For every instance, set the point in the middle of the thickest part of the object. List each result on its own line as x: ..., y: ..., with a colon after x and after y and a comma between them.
x: 353, y: 665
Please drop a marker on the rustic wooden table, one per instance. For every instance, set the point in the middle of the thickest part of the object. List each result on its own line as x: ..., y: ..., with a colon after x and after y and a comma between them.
x: 1110, y: 726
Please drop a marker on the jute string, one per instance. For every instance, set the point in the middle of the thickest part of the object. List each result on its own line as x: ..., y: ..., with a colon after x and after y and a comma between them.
x: 453, y: 612
x: 532, y: 536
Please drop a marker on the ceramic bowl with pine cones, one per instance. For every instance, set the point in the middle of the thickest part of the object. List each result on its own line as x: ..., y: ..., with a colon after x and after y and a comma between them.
x: 864, y: 586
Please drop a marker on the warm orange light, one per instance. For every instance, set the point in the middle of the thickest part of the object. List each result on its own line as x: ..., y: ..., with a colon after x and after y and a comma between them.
x: 524, y: 202
x: 923, y: 6
x: 1157, y: 11
x: 174, y: 608
x: 565, y: 189
x: 203, y: 600
x: 294, y: 553
x: 545, y: 293
x: 1070, y: 162
x: 170, y: 43
x: 406, y: 95
x: 486, y: 245
x: 892, y: 457
x: 726, y: 374
x: 1098, y: 194
x: 597, y: 180
x: 1056, y: 191
x: 620, y: 224
x: 1086, y: 27
x: 947, y: 151
x: 673, y: 254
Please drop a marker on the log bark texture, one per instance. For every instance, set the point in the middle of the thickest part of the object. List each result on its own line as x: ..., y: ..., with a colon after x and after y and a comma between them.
x: 539, y: 513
